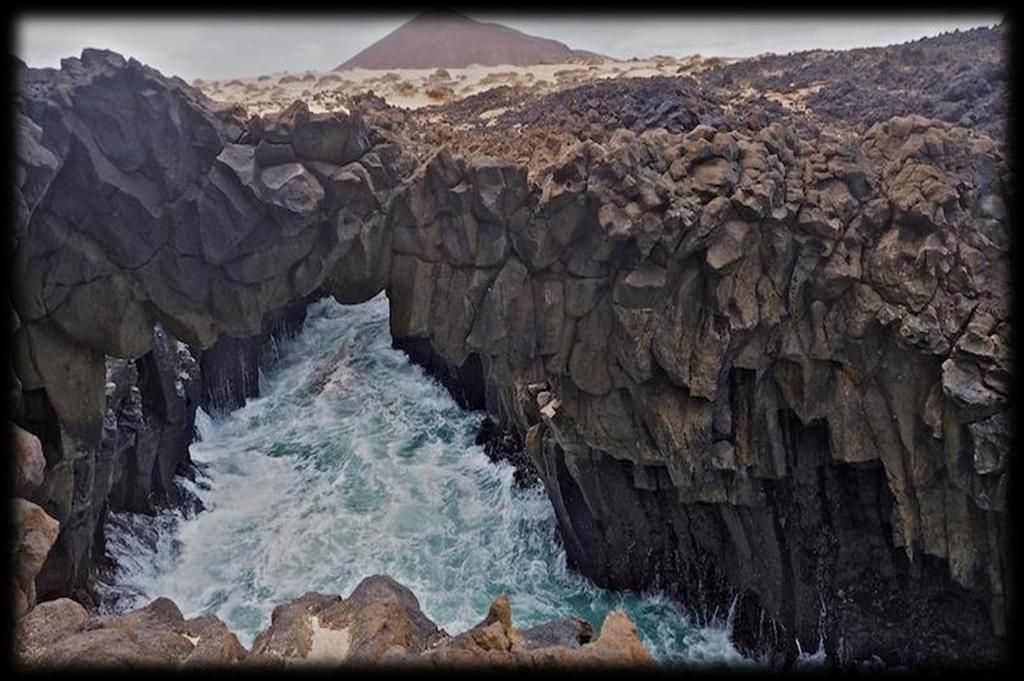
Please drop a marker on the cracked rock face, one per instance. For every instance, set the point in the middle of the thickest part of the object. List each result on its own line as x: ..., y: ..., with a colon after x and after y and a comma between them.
x: 749, y: 369
x: 149, y: 406
x: 138, y: 209
x: 770, y: 361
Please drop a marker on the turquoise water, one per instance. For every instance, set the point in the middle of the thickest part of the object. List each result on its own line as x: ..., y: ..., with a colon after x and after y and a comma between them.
x: 353, y: 462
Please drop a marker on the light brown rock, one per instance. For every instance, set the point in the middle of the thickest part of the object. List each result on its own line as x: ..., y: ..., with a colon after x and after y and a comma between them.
x: 29, y: 464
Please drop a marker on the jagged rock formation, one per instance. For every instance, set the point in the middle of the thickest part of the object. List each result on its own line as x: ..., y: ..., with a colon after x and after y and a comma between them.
x: 379, y: 624
x: 748, y: 357
x: 767, y: 360
x: 197, y: 251
x: 453, y: 40
x: 230, y: 367
x: 675, y: 104
x: 61, y: 634
x: 147, y: 425
x: 869, y: 85
x: 503, y: 443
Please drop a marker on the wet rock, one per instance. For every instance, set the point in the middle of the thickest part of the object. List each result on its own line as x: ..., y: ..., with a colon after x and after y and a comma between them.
x: 504, y: 444
x: 230, y: 368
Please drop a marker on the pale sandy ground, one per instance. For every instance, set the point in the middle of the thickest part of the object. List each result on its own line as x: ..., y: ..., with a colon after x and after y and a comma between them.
x: 415, y: 88
x: 795, y: 100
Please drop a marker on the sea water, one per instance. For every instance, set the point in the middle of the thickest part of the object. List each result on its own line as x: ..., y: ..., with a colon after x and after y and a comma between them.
x: 354, y: 462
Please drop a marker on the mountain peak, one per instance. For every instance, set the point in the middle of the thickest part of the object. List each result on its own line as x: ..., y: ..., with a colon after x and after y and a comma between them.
x: 449, y: 39
x: 441, y: 15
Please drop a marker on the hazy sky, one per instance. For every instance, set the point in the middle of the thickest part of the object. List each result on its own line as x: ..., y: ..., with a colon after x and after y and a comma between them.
x: 250, y: 45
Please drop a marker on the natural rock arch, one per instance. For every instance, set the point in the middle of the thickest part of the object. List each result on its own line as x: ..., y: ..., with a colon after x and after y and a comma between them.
x: 711, y: 343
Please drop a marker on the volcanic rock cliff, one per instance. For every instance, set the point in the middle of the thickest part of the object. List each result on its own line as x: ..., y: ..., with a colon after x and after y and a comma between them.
x: 748, y: 354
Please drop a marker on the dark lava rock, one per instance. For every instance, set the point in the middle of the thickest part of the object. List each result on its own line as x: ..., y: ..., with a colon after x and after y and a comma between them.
x: 677, y: 104
x: 231, y: 365
x: 869, y: 85
x: 504, y: 444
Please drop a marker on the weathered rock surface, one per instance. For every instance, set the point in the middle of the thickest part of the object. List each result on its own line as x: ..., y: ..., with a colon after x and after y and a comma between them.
x: 380, y: 624
x: 752, y: 361
x: 148, y: 422
x: 505, y: 444
x: 494, y: 642
x: 27, y: 459
x: 868, y: 85
x: 34, y: 535
x: 380, y: 614
x: 230, y: 367
x: 61, y: 634
x: 138, y: 208
x: 770, y: 360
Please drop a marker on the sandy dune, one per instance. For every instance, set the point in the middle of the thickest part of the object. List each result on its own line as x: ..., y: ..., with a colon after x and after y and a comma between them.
x: 416, y: 88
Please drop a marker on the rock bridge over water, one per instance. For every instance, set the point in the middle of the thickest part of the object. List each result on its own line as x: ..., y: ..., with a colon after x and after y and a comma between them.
x: 742, y: 362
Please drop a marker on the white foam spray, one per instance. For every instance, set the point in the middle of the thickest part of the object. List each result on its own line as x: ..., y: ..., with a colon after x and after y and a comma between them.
x: 353, y: 462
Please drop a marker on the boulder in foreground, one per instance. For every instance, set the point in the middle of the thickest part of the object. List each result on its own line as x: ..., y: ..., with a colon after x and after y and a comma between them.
x: 380, y: 624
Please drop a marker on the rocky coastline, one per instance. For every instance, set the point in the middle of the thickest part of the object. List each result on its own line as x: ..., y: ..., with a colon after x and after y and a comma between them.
x: 380, y: 624
x: 752, y: 354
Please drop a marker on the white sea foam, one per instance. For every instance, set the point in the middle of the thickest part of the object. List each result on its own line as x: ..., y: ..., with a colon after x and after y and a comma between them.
x: 352, y: 463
